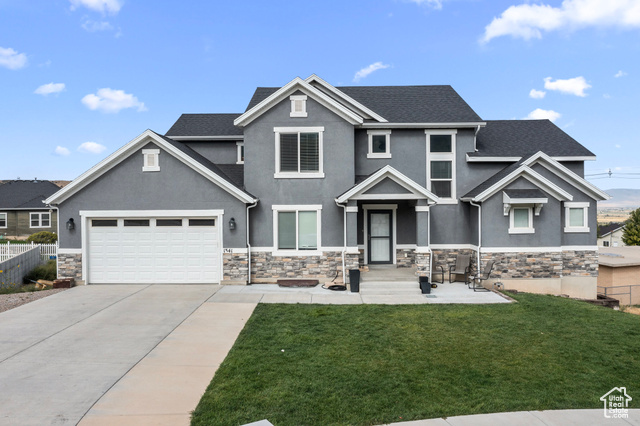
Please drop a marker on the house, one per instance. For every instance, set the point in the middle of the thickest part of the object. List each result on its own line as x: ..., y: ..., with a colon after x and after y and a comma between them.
x: 611, y: 235
x: 22, y: 211
x: 619, y: 273
x: 312, y: 180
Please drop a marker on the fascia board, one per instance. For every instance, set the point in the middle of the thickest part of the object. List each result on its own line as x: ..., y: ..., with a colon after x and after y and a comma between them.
x: 530, y: 175
x: 343, y: 96
x: 297, y: 83
x: 492, y: 159
x: 207, y: 138
x: 452, y: 125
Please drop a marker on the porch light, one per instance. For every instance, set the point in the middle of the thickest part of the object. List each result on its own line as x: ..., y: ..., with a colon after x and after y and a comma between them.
x: 71, y: 224
x: 232, y: 224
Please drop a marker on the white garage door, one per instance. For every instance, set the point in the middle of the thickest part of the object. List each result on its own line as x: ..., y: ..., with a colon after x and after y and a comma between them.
x: 153, y: 250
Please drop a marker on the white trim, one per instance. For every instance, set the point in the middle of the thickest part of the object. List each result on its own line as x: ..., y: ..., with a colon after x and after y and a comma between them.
x: 580, y: 248
x: 297, y: 208
x: 370, y: 135
x: 289, y: 88
x: 443, y: 156
x: 576, y: 158
x: 454, y: 247
x: 405, y: 246
x: 422, y: 208
x: 40, y: 225
x: 69, y: 251
x: 148, y: 155
x: 492, y: 159
x: 352, y: 250
x: 585, y: 217
x: 529, y: 229
x: 303, y: 104
x: 149, y: 213
x: 383, y: 197
x: 458, y: 125
x: 423, y: 249
x: 393, y: 208
x: 6, y: 220
x: 124, y: 152
x: 300, y: 175
x: 530, y: 175
x: 509, y: 202
x: 537, y: 249
x: 352, y: 209
x: 229, y: 138
x: 235, y: 250
x: 239, y: 149
x: 288, y: 175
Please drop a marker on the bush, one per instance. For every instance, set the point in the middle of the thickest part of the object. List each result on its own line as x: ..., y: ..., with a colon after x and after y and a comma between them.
x: 42, y: 272
x: 44, y: 237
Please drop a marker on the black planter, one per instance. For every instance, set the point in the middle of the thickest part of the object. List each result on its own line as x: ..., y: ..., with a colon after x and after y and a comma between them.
x: 354, y: 280
x: 425, y: 285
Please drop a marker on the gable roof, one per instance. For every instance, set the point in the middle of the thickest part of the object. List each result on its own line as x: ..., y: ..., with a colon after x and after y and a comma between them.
x: 180, y: 151
x: 605, y: 230
x: 25, y: 194
x: 205, y: 126
x: 522, y: 138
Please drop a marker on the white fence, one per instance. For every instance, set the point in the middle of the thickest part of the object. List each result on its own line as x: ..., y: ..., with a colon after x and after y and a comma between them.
x: 47, y: 251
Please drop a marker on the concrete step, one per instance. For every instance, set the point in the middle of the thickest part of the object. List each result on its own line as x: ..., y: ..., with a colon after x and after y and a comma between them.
x: 389, y: 292
x: 394, y: 284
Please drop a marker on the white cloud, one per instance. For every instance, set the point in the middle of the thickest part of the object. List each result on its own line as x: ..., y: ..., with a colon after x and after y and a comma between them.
x: 104, y: 6
x: 91, y: 148
x: 436, y: 4
x: 620, y: 74
x: 537, y: 94
x: 109, y: 100
x: 618, y: 146
x: 529, y: 21
x: 541, y: 114
x: 62, y: 151
x: 47, y: 89
x: 11, y: 59
x: 94, y: 26
x: 364, y: 72
x: 606, y: 96
x: 572, y: 86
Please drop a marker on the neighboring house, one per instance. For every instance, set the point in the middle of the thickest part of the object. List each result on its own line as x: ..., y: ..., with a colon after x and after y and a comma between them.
x: 611, y: 235
x: 619, y: 273
x: 314, y: 179
x: 22, y: 211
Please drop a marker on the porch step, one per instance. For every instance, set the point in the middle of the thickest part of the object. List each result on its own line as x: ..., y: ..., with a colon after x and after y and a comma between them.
x: 388, y: 288
x: 389, y: 274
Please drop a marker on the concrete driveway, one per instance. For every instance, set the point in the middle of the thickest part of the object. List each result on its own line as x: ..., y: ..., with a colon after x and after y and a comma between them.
x: 60, y: 355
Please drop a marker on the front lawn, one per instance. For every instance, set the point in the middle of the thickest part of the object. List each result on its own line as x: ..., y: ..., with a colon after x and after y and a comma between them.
x: 375, y: 364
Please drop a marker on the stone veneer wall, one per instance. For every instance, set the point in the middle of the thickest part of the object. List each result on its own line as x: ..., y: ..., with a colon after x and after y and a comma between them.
x: 447, y: 257
x: 70, y: 266
x: 543, y: 265
x: 422, y: 264
x: 405, y: 258
x: 579, y: 263
x: 267, y: 268
x: 235, y: 268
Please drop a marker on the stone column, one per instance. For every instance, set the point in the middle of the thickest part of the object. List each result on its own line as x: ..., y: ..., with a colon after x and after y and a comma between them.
x: 423, y: 256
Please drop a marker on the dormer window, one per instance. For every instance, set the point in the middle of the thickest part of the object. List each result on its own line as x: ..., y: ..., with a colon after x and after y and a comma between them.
x: 151, y: 163
x: 298, y: 106
x: 379, y: 144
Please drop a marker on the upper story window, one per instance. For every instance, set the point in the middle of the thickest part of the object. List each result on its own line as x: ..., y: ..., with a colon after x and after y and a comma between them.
x: 298, y: 106
x: 296, y: 228
x: 240, y: 148
x: 576, y: 217
x: 299, y: 152
x: 39, y: 220
x: 521, y: 220
x: 151, y: 163
x: 3, y: 220
x: 441, y: 164
x: 379, y: 144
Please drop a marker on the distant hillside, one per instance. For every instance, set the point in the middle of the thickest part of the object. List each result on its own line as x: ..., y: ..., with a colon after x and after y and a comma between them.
x: 621, y: 198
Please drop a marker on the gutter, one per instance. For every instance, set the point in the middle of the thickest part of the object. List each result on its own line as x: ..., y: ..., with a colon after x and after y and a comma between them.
x: 249, y: 244
x: 344, y: 247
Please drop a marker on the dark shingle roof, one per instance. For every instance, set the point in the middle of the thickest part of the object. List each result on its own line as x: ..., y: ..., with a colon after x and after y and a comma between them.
x: 23, y: 194
x: 235, y: 172
x: 521, y: 138
x: 607, y: 229
x: 402, y: 104
x: 525, y: 193
x: 205, y: 125
x: 493, y: 180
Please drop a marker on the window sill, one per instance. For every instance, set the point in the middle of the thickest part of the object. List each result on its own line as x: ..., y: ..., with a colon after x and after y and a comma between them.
x: 299, y: 175
x: 151, y: 169
x: 378, y: 155
x: 298, y: 114
x: 239, y: 162
x: 39, y: 227
x: 575, y: 230
x: 447, y: 201
x: 522, y: 231
x: 298, y: 253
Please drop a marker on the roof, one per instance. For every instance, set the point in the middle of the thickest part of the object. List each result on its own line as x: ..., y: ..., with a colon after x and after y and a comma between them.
x: 522, y: 138
x: 205, y: 125
x: 402, y: 104
x: 24, y: 194
x: 493, y: 180
x: 607, y: 229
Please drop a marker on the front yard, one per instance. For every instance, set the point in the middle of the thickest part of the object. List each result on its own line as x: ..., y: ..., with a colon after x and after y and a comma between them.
x: 375, y: 364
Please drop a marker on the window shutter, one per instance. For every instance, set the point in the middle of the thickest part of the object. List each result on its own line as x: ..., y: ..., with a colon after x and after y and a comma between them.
x: 288, y: 152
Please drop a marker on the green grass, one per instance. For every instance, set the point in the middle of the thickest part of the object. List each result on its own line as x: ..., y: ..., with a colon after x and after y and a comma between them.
x: 374, y: 364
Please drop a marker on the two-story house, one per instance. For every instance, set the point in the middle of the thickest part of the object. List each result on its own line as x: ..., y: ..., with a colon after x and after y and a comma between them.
x: 312, y: 180
x: 22, y: 212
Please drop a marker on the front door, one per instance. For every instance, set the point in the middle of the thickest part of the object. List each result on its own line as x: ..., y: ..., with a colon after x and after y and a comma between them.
x: 380, y: 236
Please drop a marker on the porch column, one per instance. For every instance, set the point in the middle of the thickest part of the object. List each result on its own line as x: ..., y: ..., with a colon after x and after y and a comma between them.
x: 423, y: 255
x: 352, y: 253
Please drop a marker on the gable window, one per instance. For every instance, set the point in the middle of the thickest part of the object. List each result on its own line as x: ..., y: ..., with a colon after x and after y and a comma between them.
x: 240, y: 148
x: 3, y: 220
x: 39, y: 220
x: 296, y: 228
x: 298, y: 106
x: 379, y: 144
x: 441, y: 165
x: 521, y: 220
x: 576, y: 217
x: 151, y: 163
x: 299, y: 152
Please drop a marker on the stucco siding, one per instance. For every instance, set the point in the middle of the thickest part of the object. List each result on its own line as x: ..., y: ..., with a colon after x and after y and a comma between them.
x: 219, y: 152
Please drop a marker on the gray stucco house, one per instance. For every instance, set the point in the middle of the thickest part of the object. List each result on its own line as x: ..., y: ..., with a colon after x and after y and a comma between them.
x: 312, y: 180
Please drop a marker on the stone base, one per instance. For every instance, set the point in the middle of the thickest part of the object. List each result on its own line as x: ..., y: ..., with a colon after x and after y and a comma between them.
x: 444, y: 258
x: 70, y: 266
x: 235, y: 268
x: 267, y: 268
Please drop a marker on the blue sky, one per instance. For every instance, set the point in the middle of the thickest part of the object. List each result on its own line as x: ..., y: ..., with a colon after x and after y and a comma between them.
x: 80, y: 78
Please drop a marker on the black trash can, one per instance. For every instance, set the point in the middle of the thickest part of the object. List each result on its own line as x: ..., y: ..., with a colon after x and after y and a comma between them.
x: 425, y: 285
x: 354, y: 280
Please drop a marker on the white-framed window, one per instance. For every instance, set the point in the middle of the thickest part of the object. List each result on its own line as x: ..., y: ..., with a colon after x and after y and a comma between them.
x: 39, y: 220
x: 441, y: 164
x: 240, y: 155
x: 3, y: 220
x: 296, y: 229
x: 299, y: 152
x: 605, y: 244
x: 521, y: 220
x: 576, y: 217
x: 151, y: 160
x: 379, y: 144
x: 298, y: 105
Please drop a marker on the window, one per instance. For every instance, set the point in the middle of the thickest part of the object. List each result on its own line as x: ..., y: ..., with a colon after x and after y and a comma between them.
x: 136, y: 222
x: 379, y: 144
x: 298, y: 106
x: 576, y: 217
x: 40, y: 220
x: 299, y: 152
x: 605, y: 244
x: 3, y: 220
x: 521, y: 220
x: 168, y: 222
x: 441, y: 165
x: 151, y: 163
x: 240, y: 147
x: 202, y: 222
x: 296, y: 228
x: 104, y: 223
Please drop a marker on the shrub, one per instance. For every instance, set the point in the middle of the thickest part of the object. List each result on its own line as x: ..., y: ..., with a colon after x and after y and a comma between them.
x: 42, y: 272
x: 44, y: 237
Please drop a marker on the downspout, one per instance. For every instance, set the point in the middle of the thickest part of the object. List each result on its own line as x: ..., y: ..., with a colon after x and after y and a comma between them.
x: 248, y: 244
x: 344, y: 247
x: 479, y: 206
x: 475, y: 137
x: 429, y: 247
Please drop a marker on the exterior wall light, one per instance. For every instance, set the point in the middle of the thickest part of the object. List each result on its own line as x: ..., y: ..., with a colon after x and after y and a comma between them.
x: 71, y: 224
x: 232, y: 224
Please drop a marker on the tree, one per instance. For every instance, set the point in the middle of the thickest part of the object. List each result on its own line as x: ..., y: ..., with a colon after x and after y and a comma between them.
x: 631, y: 233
